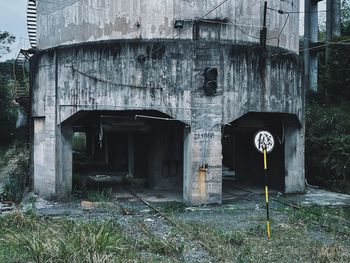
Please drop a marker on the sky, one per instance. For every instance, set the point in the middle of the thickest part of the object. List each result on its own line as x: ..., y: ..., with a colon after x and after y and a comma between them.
x: 13, y: 19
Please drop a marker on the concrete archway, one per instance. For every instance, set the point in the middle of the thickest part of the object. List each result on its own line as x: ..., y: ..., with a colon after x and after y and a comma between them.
x: 144, y: 145
x: 242, y: 163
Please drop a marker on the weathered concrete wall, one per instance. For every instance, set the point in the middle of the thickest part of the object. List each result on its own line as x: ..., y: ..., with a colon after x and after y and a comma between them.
x: 63, y: 22
x: 169, y: 79
x: 294, y: 156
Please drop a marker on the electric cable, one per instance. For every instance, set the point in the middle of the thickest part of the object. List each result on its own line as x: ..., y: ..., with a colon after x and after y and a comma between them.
x: 190, y: 26
x: 341, y: 42
x: 280, y: 33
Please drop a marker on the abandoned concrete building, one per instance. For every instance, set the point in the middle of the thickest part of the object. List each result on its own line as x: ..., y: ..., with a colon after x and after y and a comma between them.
x: 167, y: 91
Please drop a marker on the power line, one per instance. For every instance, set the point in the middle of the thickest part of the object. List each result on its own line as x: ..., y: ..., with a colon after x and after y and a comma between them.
x: 341, y: 42
x: 190, y: 26
x: 237, y: 27
x: 307, y: 12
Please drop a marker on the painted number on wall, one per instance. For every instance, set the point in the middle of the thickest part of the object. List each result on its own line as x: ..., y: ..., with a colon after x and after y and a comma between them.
x: 203, y: 135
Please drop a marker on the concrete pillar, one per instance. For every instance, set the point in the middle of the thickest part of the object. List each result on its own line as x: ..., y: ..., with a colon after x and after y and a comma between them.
x: 294, y: 159
x: 38, y: 154
x: 203, y: 164
x: 106, y: 147
x: 131, y: 154
x: 52, y: 142
x: 310, y: 36
x: 187, y: 160
x: 90, y: 142
x: 64, y: 160
x: 333, y: 19
x: 155, y: 161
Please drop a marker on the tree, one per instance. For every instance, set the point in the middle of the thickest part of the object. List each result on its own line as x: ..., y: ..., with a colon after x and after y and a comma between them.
x: 6, y: 39
x: 8, y: 109
x: 345, y: 18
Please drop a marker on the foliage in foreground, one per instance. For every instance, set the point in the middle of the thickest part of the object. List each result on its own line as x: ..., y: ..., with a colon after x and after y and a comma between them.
x: 307, y: 235
x: 30, y: 238
x: 34, y: 239
x: 328, y: 146
x: 311, y: 234
x: 16, y: 165
x: 8, y: 110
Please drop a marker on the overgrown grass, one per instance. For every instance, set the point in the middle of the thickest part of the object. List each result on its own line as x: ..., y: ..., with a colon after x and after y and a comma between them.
x: 103, y: 195
x: 173, y: 207
x: 294, y: 240
x: 30, y: 238
x: 311, y: 234
x: 35, y: 239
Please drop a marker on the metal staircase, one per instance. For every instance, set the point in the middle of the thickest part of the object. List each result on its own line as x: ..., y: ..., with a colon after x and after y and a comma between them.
x: 21, y: 64
x: 20, y: 75
x: 31, y: 22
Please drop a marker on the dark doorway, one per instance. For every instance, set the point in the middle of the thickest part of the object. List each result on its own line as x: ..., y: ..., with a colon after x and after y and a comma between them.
x: 144, y: 148
x: 242, y: 163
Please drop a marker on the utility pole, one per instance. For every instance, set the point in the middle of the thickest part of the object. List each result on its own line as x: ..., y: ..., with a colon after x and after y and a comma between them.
x: 263, y: 31
x: 263, y: 55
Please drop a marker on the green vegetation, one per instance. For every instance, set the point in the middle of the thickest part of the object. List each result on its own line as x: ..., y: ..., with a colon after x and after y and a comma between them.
x: 103, y: 195
x: 14, y: 168
x: 6, y: 39
x: 8, y: 110
x: 328, y: 146
x: 29, y: 238
x: 327, y: 116
x: 310, y: 234
x: 79, y: 142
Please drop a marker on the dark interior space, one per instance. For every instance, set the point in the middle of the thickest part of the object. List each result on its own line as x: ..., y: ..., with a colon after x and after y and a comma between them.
x: 242, y: 163
x: 141, y: 148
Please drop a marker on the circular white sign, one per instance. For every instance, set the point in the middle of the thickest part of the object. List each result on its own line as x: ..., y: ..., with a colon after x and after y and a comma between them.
x: 264, y: 140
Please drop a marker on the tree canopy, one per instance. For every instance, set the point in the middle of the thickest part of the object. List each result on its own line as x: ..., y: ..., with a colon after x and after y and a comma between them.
x: 6, y: 39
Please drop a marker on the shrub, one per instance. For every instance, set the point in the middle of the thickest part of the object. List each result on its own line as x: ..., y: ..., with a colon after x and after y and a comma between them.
x: 328, y: 145
x: 16, y: 160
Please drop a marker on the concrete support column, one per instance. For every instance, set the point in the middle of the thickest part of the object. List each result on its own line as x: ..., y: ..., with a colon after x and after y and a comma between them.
x: 39, y: 169
x: 203, y: 164
x: 310, y: 36
x: 64, y: 160
x: 106, y: 147
x: 333, y: 19
x: 294, y: 159
x: 52, y: 142
x: 131, y: 154
x: 187, y: 160
x: 90, y: 143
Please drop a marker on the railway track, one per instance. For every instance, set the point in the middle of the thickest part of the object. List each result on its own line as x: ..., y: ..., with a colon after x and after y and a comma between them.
x: 155, y: 224
x: 294, y: 206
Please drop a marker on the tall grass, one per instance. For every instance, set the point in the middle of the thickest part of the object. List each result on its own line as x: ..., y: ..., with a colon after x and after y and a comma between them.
x: 61, y: 240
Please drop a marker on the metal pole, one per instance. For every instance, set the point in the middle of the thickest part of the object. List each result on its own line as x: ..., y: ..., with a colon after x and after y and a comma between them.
x: 262, y: 60
x: 267, y: 196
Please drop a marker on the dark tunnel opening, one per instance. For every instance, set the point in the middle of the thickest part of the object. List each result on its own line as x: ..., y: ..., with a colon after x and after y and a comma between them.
x: 242, y: 163
x: 142, y: 149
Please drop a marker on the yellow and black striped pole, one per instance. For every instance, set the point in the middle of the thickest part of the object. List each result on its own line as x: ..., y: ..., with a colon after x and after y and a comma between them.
x: 267, y: 196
